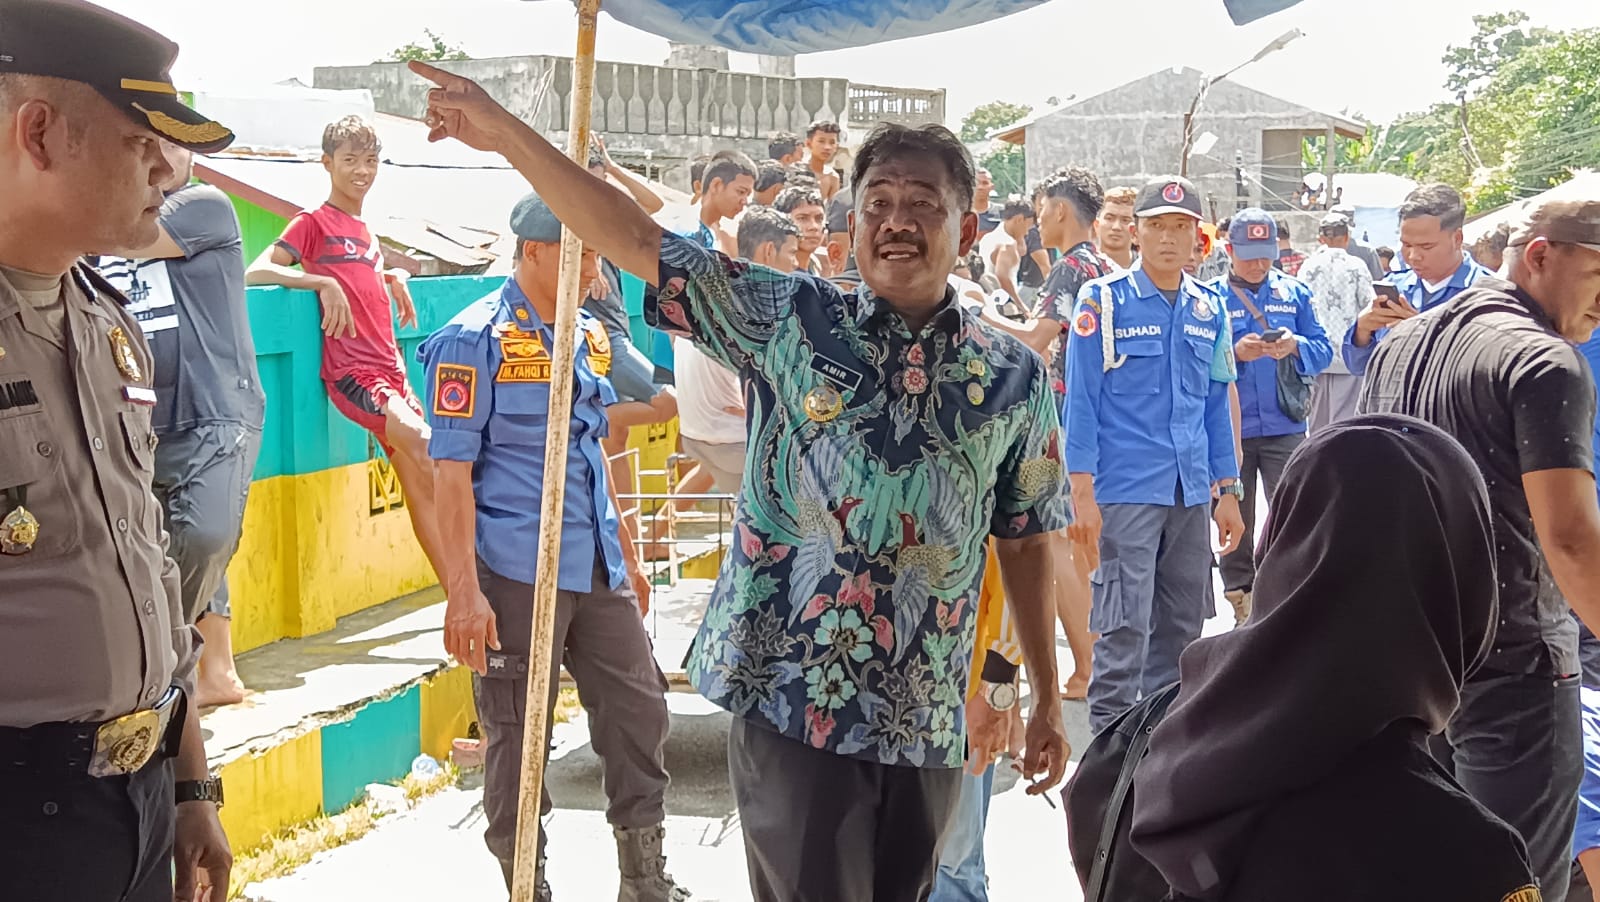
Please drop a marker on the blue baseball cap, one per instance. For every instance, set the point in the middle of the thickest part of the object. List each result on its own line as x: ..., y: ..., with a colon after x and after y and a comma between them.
x: 532, y: 220
x: 1253, y: 235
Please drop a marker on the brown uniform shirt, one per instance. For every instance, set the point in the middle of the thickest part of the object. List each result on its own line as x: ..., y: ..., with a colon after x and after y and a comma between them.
x: 90, y: 625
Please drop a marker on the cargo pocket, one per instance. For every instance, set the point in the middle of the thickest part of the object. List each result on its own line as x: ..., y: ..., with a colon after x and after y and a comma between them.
x: 502, y: 692
x: 1107, y: 612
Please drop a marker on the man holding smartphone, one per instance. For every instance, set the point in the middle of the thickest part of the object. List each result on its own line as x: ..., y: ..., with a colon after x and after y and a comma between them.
x: 1273, y: 320
x: 1431, y: 241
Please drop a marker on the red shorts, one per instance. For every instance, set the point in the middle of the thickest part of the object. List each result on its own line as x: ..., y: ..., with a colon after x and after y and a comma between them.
x: 364, y: 396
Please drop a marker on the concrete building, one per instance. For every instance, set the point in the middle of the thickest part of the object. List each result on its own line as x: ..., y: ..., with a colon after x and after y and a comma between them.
x: 656, y: 118
x: 1133, y: 133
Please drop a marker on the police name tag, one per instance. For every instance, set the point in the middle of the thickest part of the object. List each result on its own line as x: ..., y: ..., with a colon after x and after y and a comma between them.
x: 138, y: 394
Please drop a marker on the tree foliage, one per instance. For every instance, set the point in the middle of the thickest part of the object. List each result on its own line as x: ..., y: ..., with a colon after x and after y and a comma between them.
x: 977, y: 125
x: 432, y: 49
x: 1525, y: 115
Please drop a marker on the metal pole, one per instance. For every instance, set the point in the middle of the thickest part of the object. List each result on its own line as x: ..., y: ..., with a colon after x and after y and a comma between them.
x: 537, y: 716
x: 1329, y: 157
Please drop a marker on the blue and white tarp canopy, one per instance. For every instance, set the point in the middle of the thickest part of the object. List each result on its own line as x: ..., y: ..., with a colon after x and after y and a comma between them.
x: 785, y: 27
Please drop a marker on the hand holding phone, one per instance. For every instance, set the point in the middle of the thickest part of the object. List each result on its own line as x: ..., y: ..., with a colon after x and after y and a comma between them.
x: 1274, y: 335
x: 1386, y: 293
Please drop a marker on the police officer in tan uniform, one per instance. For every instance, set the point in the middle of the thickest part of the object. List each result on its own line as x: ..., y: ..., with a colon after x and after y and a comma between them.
x: 104, y: 791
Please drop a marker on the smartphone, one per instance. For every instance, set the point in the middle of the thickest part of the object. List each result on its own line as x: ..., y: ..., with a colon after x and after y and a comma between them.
x: 1386, y: 292
x: 1272, y: 335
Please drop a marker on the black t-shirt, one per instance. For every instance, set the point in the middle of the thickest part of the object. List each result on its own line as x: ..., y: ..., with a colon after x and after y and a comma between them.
x: 988, y: 221
x: 1028, y: 271
x: 1388, y: 826
x: 1489, y: 369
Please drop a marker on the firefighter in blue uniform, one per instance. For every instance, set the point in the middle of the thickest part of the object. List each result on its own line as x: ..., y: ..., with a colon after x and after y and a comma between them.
x: 489, y: 372
x: 1432, y: 243
x: 1273, y: 321
x: 1150, y: 444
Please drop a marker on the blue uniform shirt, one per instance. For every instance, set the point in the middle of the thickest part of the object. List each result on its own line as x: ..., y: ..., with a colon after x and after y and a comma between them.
x: 1156, y: 420
x: 489, y: 399
x: 1417, y: 295
x: 1285, y: 302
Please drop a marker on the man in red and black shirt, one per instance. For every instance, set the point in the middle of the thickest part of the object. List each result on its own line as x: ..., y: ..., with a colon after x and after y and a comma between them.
x: 341, y: 261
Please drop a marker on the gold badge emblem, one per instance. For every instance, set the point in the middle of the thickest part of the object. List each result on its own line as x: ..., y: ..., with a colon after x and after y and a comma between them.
x: 1526, y: 894
x: 1202, y: 310
x: 823, y: 403
x: 974, y: 393
x: 122, y: 352
x: 975, y: 367
x: 18, y: 531
x: 124, y: 745
x: 522, y: 314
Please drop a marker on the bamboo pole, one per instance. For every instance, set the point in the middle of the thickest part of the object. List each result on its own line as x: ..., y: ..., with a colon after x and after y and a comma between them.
x: 535, y: 722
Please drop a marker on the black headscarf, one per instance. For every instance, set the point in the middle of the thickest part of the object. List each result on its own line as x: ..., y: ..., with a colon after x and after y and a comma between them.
x: 1375, y: 598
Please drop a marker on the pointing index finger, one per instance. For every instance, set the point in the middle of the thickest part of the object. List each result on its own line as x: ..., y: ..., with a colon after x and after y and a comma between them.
x: 433, y: 73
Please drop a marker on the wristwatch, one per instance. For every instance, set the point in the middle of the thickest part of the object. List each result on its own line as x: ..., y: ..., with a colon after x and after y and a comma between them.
x: 1235, y: 488
x: 207, y: 790
x: 1000, y: 696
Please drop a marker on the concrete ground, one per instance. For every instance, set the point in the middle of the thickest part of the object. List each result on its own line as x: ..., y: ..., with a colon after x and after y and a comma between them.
x: 436, y: 851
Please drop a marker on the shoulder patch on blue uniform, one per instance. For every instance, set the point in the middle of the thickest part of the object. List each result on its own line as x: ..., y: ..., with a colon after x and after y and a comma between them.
x: 455, y: 390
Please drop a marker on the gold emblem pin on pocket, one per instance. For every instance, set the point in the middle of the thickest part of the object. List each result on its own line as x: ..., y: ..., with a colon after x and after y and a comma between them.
x: 18, y: 531
x: 122, y: 352
x: 823, y: 403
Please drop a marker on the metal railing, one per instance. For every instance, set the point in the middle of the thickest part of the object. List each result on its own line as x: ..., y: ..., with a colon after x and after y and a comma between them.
x: 653, y: 516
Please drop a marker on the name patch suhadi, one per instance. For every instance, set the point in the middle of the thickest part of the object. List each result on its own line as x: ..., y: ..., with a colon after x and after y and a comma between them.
x: 1139, y: 332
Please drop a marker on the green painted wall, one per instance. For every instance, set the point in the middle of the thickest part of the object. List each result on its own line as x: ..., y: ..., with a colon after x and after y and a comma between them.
x: 258, y: 227
x: 303, y: 433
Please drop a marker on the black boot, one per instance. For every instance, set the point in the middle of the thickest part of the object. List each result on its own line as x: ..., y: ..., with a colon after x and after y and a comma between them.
x: 644, y: 868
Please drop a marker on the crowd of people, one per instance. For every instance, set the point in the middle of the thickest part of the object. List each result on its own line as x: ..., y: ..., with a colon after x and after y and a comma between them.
x: 957, y: 426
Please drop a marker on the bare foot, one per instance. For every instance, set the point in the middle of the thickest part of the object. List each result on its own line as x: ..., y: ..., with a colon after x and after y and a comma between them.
x: 1077, y: 688
x: 211, y: 690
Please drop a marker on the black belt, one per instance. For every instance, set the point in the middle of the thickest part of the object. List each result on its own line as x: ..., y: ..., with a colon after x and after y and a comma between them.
x: 113, y: 748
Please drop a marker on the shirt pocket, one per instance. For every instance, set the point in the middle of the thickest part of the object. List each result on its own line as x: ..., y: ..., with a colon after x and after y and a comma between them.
x: 1195, y: 365
x: 1141, y: 370
x: 521, y: 413
x: 141, y: 440
x: 30, y: 475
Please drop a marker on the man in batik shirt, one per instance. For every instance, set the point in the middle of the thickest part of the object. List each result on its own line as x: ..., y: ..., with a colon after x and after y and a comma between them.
x: 891, y: 434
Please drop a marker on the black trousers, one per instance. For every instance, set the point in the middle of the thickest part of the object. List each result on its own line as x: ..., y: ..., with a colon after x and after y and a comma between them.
x: 77, y: 838
x: 820, y: 827
x: 1516, y: 744
x: 1265, y: 457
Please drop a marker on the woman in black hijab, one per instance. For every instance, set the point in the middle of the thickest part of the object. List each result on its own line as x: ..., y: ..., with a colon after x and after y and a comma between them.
x: 1293, y: 765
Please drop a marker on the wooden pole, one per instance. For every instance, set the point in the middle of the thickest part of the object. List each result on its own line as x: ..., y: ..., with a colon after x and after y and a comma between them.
x: 540, y: 655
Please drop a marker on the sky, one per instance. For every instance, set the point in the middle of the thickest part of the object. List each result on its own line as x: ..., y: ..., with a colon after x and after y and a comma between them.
x: 1378, y: 58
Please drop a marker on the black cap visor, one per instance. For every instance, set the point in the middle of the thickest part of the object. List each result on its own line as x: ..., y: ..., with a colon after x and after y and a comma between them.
x: 157, y: 106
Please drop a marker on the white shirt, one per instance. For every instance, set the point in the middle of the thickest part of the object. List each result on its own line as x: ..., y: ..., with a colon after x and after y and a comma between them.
x: 705, y: 389
x: 993, y: 242
x: 1341, y: 287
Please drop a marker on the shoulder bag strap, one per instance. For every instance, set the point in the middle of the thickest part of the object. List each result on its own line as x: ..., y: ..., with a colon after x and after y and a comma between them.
x: 1244, y: 298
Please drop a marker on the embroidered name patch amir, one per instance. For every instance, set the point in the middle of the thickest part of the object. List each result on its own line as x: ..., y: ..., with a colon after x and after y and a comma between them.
x: 1526, y: 894
x: 1085, y: 324
x: 455, y: 389
x: 843, y: 376
x: 18, y: 394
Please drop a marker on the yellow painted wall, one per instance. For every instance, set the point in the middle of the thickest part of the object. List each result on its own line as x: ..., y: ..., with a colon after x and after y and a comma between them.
x: 269, y: 792
x: 447, y: 710
x: 312, y: 551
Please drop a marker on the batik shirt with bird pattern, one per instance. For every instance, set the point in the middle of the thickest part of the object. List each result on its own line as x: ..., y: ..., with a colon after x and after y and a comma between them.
x: 878, y: 464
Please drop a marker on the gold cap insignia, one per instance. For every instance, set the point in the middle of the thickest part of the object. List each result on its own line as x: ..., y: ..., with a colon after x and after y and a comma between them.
x: 184, y: 132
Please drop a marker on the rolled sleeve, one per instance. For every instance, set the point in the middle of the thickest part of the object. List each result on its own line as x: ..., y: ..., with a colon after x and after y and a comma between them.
x: 1031, y: 490
x: 460, y: 397
x: 730, y: 309
x: 200, y: 218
